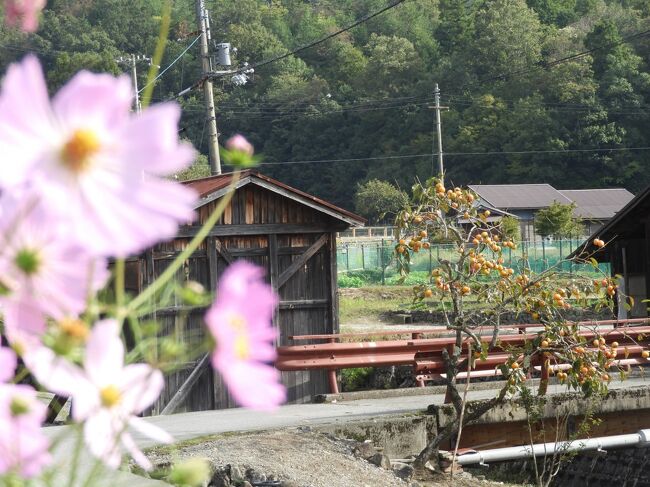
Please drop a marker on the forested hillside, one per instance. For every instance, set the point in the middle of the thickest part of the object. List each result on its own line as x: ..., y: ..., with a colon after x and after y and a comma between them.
x: 507, y: 69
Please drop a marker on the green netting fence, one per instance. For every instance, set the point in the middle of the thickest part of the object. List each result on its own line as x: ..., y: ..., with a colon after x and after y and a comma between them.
x: 374, y: 262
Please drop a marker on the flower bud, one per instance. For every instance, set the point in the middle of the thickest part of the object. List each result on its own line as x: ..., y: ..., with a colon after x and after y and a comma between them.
x: 240, y: 144
x: 190, y: 473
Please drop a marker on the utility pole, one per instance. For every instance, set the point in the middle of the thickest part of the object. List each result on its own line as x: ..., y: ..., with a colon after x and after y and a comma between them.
x: 132, y: 62
x: 208, y: 96
x: 441, y: 168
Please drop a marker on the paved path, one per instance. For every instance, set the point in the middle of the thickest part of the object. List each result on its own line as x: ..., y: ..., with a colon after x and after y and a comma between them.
x: 187, y: 426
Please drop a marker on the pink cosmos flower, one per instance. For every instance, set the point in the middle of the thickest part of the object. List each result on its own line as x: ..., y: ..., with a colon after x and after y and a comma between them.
x: 23, y: 447
x: 7, y: 364
x: 106, y: 395
x: 93, y: 162
x: 239, y: 143
x: 23, y: 11
x: 240, y: 321
x: 43, y: 273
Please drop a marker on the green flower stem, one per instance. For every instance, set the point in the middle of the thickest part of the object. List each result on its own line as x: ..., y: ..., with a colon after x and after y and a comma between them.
x: 158, y: 53
x: 170, y: 271
x: 119, y: 284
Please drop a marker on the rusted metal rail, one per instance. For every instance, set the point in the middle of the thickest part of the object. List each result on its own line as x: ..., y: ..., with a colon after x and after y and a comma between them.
x: 425, y: 355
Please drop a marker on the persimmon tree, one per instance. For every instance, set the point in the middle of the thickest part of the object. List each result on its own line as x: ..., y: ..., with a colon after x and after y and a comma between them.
x: 477, y: 291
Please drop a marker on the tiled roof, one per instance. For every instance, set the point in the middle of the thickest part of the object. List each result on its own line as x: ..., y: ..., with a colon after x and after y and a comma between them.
x: 519, y: 196
x: 599, y: 204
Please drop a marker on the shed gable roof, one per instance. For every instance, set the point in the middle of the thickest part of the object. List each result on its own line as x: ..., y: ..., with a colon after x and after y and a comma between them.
x: 627, y: 223
x: 213, y: 187
x: 519, y: 196
x: 599, y: 204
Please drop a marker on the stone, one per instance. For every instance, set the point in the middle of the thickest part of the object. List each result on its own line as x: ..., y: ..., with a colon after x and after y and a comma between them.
x: 246, y: 483
x: 289, y: 483
x: 380, y: 460
x: 364, y: 450
x: 403, y: 471
x: 236, y: 474
x: 253, y: 476
x: 220, y: 478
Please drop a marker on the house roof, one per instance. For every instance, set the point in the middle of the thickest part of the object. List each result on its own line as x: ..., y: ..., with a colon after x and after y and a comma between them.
x: 627, y: 223
x: 213, y: 187
x: 519, y: 196
x: 599, y: 204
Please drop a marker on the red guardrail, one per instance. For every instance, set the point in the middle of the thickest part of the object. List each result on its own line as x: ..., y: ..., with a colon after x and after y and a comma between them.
x: 425, y: 354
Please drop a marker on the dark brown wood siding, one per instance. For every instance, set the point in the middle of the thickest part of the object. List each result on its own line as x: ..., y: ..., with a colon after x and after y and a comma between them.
x: 278, y: 234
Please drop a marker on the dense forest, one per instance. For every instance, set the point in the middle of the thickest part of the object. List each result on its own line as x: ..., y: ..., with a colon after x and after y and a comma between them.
x: 536, y: 90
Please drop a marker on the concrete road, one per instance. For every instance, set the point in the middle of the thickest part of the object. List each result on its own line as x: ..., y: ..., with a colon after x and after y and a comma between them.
x: 187, y: 426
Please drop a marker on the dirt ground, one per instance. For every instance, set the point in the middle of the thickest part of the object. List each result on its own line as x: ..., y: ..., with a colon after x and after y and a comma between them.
x: 301, y: 458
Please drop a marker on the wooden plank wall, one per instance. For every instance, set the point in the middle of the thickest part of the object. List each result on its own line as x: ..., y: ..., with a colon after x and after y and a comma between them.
x: 308, y: 298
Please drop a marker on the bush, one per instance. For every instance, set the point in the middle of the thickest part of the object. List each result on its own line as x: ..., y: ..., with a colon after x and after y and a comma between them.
x: 347, y: 280
x: 355, y: 379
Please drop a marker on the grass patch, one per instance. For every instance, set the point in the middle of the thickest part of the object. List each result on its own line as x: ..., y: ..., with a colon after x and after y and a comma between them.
x: 368, y: 303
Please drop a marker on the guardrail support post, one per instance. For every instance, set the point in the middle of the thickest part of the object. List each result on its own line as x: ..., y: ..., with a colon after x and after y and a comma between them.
x: 334, y: 385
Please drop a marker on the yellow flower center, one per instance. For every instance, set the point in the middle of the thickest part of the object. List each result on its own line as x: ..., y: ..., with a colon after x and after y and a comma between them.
x: 242, y: 347
x: 79, y: 149
x: 242, y: 344
x: 110, y: 396
x: 74, y: 328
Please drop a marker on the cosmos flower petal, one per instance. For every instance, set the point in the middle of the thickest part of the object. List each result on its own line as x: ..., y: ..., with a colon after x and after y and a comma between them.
x: 8, y: 362
x: 23, y: 446
x: 96, y: 165
x: 102, y: 439
x: 104, y: 353
x: 244, y: 378
x: 241, y: 322
x: 150, y: 430
x: 140, y: 386
x: 55, y: 373
x: 135, y: 452
x: 25, y: 116
x: 163, y: 154
x: 94, y: 101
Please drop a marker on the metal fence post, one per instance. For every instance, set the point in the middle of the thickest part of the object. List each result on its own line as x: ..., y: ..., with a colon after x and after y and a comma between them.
x: 381, y: 262
x: 363, y: 258
x: 347, y: 257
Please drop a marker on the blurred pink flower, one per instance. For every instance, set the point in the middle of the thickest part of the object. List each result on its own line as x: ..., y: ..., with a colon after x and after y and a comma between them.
x: 8, y: 363
x: 107, y: 395
x: 239, y: 143
x: 241, y: 322
x: 93, y: 162
x: 23, y: 447
x: 24, y: 12
x: 43, y: 273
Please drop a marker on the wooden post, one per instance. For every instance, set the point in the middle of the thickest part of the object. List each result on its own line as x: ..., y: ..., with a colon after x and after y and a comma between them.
x: 647, y: 259
x: 274, y: 271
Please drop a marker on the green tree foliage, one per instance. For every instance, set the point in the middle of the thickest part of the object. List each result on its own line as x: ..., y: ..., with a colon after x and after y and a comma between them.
x: 510, y: 228
x: 558, y: 221
x: 366, y: 94
x: 379, y: 201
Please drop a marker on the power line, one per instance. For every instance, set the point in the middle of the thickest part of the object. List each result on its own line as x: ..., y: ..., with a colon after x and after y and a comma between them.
x: 172, y: 63
x: 496, y: 153
x: 359, y: 21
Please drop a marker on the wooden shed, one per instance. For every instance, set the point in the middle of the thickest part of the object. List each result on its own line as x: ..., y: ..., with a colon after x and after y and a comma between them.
x: 627, y: 251
x: 286, y: 231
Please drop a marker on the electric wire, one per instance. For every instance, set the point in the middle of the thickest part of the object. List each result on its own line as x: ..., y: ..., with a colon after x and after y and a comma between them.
x: 495, y: 153
x: 170, y: 65
x: 357, y: 22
